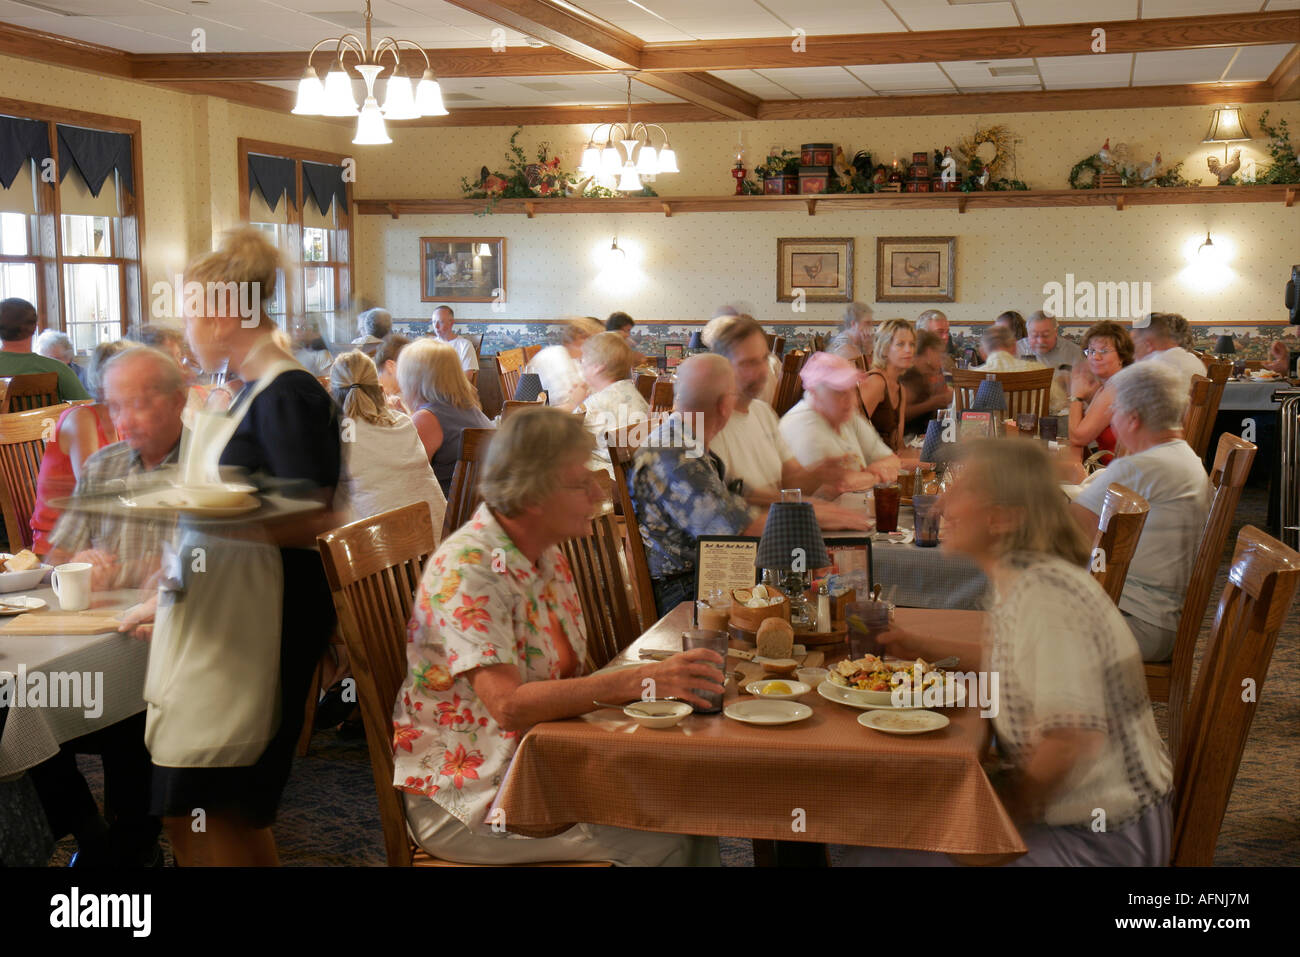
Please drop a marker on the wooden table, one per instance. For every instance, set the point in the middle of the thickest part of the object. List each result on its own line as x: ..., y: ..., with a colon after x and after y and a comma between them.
x: 826, y: 779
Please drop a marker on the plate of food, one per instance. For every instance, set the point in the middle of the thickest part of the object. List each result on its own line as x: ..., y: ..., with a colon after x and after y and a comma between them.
x: 903, y: 722
x: 1265, y: 375
x: 194, y: 502
x: 22, y: 571
x: 870, y: 682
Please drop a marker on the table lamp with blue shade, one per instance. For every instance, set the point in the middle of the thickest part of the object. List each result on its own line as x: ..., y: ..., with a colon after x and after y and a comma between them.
x: 933, y: 450
x: 529, y: 387
x: 989, y: 397
x: 697, y: 342
x: 1225, y: 346
x: 792, y: 546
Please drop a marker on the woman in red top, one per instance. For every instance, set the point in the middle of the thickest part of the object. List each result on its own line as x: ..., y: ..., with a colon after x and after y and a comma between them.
x: 1108, y: 348
x: 80, y: 432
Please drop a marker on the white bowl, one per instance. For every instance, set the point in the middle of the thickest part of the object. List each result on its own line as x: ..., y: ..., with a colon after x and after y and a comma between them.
x: 21, y: 581
x: 812, y: 677
x: 797, y: 689
x: 217, y: 496
x: 657, y: 714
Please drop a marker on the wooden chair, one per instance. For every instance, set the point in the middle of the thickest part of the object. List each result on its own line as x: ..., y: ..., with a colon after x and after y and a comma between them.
x: 22, y: 393
x: 790, y: 387
x: 645, y: 383
x: 1123, y: 513
x: 510, y: 406
x: 1261, y: 585
x: 1028, y: 391
x: 463, y: 497
x: 477, y: 342
x: 530, y: 351
x: 1171, y: 680
x: 620, y: 457
x: 1197, y: 421
x: 776, y: 345
x: 1219, y: 373
x: 603, y: 587
x: 661, y: 395
x: 472, y: 376
x: 510, y: 365
x: 22, y: 446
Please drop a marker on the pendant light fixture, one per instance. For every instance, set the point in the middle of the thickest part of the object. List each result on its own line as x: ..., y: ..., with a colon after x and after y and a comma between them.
x: 404, y: 99
x: 639, y: 157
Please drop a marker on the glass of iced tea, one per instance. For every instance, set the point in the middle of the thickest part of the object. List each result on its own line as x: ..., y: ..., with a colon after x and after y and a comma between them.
x: 887, y: 498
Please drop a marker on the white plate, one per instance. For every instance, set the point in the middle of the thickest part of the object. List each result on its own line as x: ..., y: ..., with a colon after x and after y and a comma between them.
x: 846, y: 696
x: 762, y: 711
x: 175, y: 500
x: 912, y: 722
x: 797, y: 689
x: 21, y: 581
x: 29, y: 604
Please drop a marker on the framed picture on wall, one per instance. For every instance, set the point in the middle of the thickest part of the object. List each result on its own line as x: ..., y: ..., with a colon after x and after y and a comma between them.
x: 916, y: 269
x: 816, y: 270
x: 462, y: 269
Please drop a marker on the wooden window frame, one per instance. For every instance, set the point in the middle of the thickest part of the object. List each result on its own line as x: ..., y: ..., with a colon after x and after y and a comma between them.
x: 49, y: 258
x: 295, y: 272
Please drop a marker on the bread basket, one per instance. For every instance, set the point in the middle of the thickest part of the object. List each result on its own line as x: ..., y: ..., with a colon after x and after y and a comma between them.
x: 750, y: 618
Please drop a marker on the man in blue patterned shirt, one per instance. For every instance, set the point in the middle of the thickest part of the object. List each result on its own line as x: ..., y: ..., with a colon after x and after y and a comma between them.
x: 676, y: 483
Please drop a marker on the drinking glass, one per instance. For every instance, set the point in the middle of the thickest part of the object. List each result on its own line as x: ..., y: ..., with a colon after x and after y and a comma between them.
x: 927, y: 520
x: 792, y: 495
x: 1027, y: 424
x: 714, y: 641
x: 887, y: 498
x: 1048, y: 428
x: 867, y: 621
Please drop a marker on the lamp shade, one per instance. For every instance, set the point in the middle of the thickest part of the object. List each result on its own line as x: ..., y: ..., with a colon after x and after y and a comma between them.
x: 399, y: 99
x: 370, y: 126
x: 529, y: 387
x: 1224, y: 346
x: 1226, y: 126
x: 311, y: 94
x: 428, y: 96
x: 932, y: 450
x: 989, y: 397
x: 791, y: 537
x: 338, y: 94
x: 697, y: 340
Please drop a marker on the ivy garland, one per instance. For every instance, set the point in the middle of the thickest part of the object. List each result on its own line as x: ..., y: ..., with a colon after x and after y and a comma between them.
x: 1093, y: 163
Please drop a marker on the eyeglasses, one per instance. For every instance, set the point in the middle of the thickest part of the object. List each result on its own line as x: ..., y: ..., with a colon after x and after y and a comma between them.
x: 590, y: 486
x: 1098, y: 352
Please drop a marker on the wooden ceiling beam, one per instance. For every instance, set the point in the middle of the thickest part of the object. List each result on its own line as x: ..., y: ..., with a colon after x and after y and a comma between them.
x: 995, y: 43
x: 30, y: 44
x: 1285, y: 80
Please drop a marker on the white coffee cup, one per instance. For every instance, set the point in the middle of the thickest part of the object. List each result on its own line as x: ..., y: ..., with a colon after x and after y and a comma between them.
x: 71, y: 583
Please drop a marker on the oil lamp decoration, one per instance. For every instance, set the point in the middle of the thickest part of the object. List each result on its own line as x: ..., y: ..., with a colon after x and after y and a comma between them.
x: 404, y: 99
x: 639, y: 157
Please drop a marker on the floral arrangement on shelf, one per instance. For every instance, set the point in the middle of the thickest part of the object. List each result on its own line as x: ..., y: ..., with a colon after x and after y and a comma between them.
x: 1114, y: 164
x: 984, y: 174
x: 524, y: 180
x: 1285, y: 167
x: 786, y: 163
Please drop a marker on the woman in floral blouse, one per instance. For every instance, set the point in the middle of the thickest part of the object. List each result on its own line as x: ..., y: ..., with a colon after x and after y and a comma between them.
x: 496, y: 645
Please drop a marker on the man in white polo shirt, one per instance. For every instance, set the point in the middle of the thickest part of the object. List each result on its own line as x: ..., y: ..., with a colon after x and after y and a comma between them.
x: 444, y: 321
x: 1154, y: 339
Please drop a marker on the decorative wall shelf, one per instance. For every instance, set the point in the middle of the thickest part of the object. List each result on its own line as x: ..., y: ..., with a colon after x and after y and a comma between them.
x: 1120, y: 199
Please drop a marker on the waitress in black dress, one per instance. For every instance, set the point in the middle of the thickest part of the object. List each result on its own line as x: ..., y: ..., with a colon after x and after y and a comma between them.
x: 246, y: 613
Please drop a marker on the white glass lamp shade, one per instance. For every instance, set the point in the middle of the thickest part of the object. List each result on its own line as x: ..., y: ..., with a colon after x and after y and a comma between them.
x: 370, y: 126
x: 484, y: 250
x: 339, y: 100
x: 311, y: 94
x: 590, y: 161
x: 610, y: 161
x: 428, y: 96
x: 668, y: 160
x: 399, y: 99
x: 629, y: 182
x: 647, y: 161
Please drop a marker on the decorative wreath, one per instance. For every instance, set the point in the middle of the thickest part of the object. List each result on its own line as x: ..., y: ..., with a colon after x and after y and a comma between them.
x: 1092, y: 166
x: 1001, y: 139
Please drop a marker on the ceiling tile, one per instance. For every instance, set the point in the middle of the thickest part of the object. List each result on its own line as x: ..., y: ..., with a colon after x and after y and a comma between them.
x: 1181, y: 66
x: 940, y: 15
x: 976, y: 75
x: 1035, y: 12
x: 823, y: 17
x: 755, y: 83
x: 902, y: 77
x: 1153, y: 9
x: 1256, y: 63
x: 1083, y: 72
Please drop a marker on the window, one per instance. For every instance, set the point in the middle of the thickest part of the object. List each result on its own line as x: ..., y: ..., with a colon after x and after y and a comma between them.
x: 314, y: 292
x: 71, y: 251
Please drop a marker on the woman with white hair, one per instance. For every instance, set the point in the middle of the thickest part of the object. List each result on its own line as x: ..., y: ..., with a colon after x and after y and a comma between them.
x: 614, y: 403
x: 1073, y: 718
x: 373, y: 325
x: 497, y: 644
x: 558, y: 366
x: 444, y: 404
x: 384, y: 465
x: 1150, y: 398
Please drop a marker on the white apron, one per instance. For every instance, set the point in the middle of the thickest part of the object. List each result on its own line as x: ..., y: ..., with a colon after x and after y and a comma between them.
x: 213, y: 682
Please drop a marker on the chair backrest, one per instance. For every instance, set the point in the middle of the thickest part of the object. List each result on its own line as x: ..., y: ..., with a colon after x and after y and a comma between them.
x: 477, y: 342
x: 530, y: 351
x: 1027, y: 391
x: 510, y: 364
x: 620, y: 457
x: 1232, y: 464
x: 511, y: 406
x: 463, y: 497
x: 22, y: 446
x: 1262, y: 582
x: 603, y: 588
x: 1123, y: 513
x: 472, y: 376
x: 777, y: 346
x: 790, y: 388
x: 1219, y: 373
x: 373, y: 568
x: 35, y: 390
x: 1197, y: 421
x: 661, y: 395
x: 645, y: 383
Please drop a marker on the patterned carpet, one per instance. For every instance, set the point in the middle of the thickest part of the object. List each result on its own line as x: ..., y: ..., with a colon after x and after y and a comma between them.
x: 329, y: 816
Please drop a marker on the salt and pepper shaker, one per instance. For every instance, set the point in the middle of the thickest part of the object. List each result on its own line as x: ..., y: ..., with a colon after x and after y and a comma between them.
x: 823, y: 609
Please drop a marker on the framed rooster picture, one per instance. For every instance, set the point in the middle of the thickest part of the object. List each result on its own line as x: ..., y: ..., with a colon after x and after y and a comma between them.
x: 814, y: 270
x: 916, y: 269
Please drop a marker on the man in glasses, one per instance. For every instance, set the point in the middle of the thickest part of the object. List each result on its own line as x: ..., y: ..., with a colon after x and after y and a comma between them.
x: 1045, y: 343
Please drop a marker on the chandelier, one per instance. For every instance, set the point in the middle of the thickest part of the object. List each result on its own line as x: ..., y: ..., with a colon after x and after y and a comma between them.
x: 607, y: 162
x: 403, y: 100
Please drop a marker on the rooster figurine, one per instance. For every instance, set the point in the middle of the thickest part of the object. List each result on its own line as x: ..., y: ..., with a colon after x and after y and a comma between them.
x: 1224, y: 171
x: 1103, y: 154
x: 1150, y: 171
x: 842, y: 169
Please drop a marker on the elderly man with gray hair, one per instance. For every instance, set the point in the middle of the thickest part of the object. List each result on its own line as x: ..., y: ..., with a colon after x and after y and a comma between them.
x: 373, y: 324
x: 1156, y: 337
x: 1150, y: 398
x: 56, y: 345
x: 932, y: 320
x: 677, y: 486
x: 855, y: 339
x: 999, y: 345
